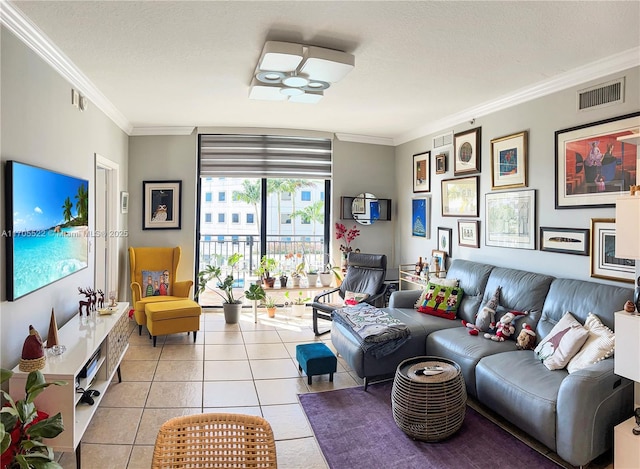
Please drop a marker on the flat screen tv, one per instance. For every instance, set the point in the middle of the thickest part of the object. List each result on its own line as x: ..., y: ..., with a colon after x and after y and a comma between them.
x: 46, y: 227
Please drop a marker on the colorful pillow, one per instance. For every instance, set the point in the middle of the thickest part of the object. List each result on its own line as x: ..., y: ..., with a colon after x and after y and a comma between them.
x: 441, y: 301
x: 352, y: 298
x: 155, y: 283
x: 562, y: 343
x: 600, y: 344
x: 445, y: 282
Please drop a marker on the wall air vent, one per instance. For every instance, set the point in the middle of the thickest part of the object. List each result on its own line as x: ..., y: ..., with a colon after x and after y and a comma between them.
x: 604, y: 94
x: 443, y: 140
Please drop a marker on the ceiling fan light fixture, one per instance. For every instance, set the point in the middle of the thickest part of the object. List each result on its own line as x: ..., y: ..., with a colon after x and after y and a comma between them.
x: 291, y: 91
x: 295, y: 81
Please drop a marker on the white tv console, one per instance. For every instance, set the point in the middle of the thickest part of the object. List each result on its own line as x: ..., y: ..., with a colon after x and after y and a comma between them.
x: 82, y: 337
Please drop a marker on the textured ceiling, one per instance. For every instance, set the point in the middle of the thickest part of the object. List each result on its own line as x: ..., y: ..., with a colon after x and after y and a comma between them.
x: 186, y: 63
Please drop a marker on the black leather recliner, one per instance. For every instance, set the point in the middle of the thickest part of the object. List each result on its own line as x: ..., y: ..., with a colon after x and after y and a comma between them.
x: 365, y: 274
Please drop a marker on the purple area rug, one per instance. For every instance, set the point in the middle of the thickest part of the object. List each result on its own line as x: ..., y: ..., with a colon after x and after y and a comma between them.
x: 355, y: 429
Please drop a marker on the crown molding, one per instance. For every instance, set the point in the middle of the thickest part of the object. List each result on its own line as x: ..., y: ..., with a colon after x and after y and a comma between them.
x: 364, y: 139
x: 139, y: 131
x: 21, y: 26
x: 578, y: 76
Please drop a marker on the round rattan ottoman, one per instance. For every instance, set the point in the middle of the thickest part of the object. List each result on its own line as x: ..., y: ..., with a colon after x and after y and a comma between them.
x: 428, y: 407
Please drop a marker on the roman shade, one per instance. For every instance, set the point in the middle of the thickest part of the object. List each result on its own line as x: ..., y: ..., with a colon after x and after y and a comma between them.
x: 264, y: 156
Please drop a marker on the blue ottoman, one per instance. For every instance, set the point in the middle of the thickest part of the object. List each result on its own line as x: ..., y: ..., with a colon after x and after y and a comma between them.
x: 316, y: 359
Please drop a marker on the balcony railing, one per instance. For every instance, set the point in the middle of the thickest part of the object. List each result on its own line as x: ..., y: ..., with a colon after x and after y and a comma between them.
x: 288, y: 252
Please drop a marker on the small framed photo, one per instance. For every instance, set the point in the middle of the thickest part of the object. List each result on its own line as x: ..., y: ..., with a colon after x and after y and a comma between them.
x: 467, y: 152
x: 421, y: 172
x: 509, y: 161
x: 161, y: 205
x: 468, y: 233
x: 442, y: 259
x: 511, y: 219
x: 441, y: 163
x: 444, y: 240
x: 420, y: 217
x: 604, y: 262
x: 565, y: 240
x: 460, y: 197
x: 124, y: 202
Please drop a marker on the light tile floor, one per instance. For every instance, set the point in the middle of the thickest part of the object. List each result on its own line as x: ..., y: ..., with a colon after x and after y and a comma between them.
x: 244, y: 368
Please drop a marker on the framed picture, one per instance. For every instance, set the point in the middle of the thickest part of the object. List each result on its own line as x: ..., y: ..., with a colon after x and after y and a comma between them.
x: 421, y: 172
x: 565, y: 240
x: 444, y: 240
x: 442, y: 258
x: 441, y: 163
x: 466, y: 152
x: 509, y: 161
x: 124, y: 202
x: 468, y: 233
x: 595, y: 163
x: 460, y: 197
x: 420, y: 218
x: 604, y: 263
x: 511, y: 219
x: 161, y: 205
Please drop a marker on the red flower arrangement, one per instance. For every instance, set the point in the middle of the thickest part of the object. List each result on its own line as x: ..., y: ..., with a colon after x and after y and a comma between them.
x: 347, y: 235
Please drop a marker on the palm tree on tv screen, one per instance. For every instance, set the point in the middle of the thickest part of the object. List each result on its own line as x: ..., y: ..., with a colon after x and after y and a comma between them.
x: 66, y: 213
x: 82, y: 205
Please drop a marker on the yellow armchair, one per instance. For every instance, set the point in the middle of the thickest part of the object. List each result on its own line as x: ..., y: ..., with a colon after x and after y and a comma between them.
x: 145, y: 291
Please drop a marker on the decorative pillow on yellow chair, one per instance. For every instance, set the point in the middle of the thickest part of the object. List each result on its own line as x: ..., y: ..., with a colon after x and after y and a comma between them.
x: 155, y: 283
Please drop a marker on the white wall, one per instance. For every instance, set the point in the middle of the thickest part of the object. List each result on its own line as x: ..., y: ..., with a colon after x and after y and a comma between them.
x: 40, y: 127
x: 541, y: 118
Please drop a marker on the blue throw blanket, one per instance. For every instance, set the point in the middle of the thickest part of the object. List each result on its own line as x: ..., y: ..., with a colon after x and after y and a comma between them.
x: 378, y: 333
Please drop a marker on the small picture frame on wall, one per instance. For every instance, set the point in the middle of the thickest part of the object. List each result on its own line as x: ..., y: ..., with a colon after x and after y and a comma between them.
x: 468, y: 233
x: 421, y: 172
x: 420, y: 217
x: 467, y: 156
x: 604, y: 262
x: 460, y: 197
x: 509, y: 161
x: 444, y: 239
x: 161, y: 205
x: 565, y: 240
x: 441, y: 163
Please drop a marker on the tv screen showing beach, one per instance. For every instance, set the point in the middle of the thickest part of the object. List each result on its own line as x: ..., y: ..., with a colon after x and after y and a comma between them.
x: 47, y: 227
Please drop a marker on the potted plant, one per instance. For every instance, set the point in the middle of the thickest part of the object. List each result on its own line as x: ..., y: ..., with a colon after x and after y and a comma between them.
x: 230, y: 304
x: 255, y: 293
x: 283, y: 280
x: 297, y: 274
x: 23, y: 427
x: 312, y: 275
x: 270, y: 304
x: 298, y: 304
x: 267, y: 265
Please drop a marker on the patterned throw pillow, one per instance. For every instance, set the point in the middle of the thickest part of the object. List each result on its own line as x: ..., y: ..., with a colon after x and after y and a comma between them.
x: 441, y: 301
x: 562, y: 343
x: 446, y: 282
x: 599, y: 345
x: 352, y: 298
x: 155, y: 283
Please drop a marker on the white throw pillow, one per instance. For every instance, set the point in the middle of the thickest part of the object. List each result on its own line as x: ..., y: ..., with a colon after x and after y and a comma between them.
x: 443, y: 282
x: 562, y: 343
x: 599, y: 345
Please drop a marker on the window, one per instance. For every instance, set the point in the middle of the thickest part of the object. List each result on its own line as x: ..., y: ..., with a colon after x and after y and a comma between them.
x: 235, y: 218
x: 285, y: 196
x: 207, y: 218
x: 222, y: 196
x: 208, y: 197
x: 220, y: 239
x: 235, y: 196
x: 235, y: 239
x: 305, y: 196
x: 207, y: 237
x: 285, y: 218
x: 322, y: 196
x: 221, y: 218
x: 250, y: 218
x: 305, y: 220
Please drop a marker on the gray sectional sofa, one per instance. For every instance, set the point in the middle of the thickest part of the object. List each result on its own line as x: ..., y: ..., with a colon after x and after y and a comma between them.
x: 572, y: 414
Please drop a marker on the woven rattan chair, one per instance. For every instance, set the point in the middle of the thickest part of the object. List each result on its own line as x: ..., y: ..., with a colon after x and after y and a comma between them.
x: 215, y: 440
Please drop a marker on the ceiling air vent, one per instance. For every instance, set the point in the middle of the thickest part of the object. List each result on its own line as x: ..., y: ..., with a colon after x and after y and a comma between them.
x: 443, y: 140
x: 604, y: 94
